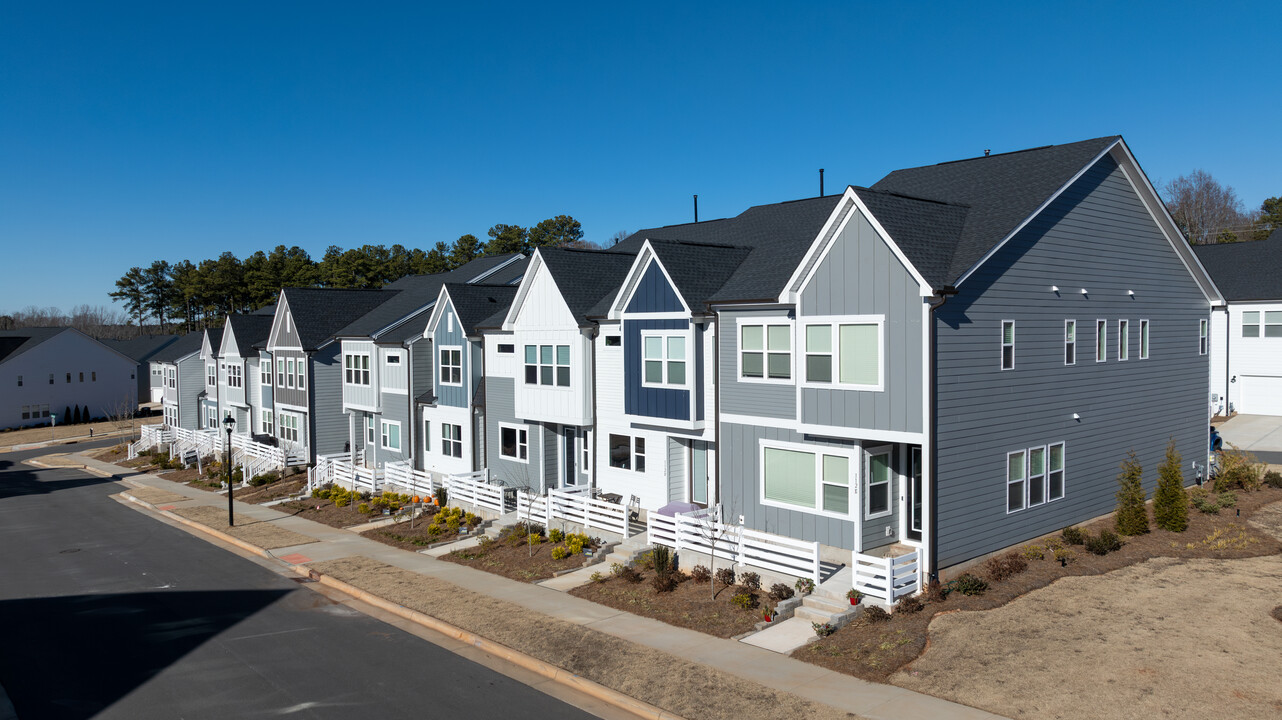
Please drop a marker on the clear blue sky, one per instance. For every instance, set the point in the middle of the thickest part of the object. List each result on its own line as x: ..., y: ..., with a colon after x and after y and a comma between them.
x: 138, y: 131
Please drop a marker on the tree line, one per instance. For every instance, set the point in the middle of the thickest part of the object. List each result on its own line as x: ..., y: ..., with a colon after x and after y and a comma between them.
x: 1208, y: 212
x: 96, y: 321
x: 187, y: 295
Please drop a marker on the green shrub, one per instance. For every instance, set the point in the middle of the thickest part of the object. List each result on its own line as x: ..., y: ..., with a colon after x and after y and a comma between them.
x: 745, y: 600
x: 597, y: 577
x: 1227, y: 499
x: 661, y: 559
x: 1064, y: 556
x: 556, y: 535
x: 1170, y: 504
x: 1003, y: 566
x: 780, y: 592
x: 1273, y: 479
x: 560, y: 552
x: 442, y: 496
x: 1104, y: 543
x: 472, y: 519
x: 1073, y: 535
x: 725, y: 576
x: 750, y: 580
x: 968, y: 584
x: 263, y: 479
x: 700, y: 574
x: 1033, y: 552
x: 909, y: 604
x: 1131, y: 517
x: 364, y: 509
x: 665, y: 583
x: 576, y: 543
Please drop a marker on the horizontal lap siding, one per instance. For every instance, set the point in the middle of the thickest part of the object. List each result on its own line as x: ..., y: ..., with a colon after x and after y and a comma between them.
x: 860, y: 275
x: 1097, y: 236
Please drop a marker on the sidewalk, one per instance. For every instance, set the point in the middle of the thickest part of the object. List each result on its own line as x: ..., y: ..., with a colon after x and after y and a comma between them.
x: 761, y: 668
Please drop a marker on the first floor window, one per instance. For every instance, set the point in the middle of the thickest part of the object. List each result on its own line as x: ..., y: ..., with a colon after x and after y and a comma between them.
x: 1101, y: 340
x: 1034, y: 476
x: 26, y: 412
x: 1015, y: 480
x: 514, y: 443
x: 452, y: 440
x: 427, y: 436
x: 877, y: 494
x: 1123, y: 340
x: 627, y: 452
x: 82, y: 377
x: 390, y: 435
x: 451, y: 366
x: 806, y: 480
x: 765, y: 351
x: 1070, y: 342
x: 1056, y: 471
x: 267, y: 422
x: 369, y: 429
x: 1201, y: 337
x: 93, y: 376
x: 585, y: 443
x: 1144, y: 339
x: 287, y: 427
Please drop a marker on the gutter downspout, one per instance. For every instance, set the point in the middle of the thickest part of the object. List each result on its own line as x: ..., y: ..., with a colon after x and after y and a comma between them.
x: 596, y: 330
x: 1228, y: 346
x: 932, y: 514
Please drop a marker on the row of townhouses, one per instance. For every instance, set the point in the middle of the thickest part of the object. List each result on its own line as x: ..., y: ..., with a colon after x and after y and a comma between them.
x: 953, y: 360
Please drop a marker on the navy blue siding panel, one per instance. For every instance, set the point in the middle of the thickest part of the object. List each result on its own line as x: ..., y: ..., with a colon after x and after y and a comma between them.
x: 450, y: 395
x: 653, y: 293
x: 1096, y: 236
x: 646, y: 401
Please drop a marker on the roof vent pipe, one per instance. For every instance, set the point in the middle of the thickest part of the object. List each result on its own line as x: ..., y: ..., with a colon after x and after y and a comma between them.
x: 696, y: 208
x: 986, y: 151
x: 821, y: 182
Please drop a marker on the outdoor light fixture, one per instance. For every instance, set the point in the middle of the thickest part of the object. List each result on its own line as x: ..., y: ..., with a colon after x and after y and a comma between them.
x: 229, y: 422
x: 1076, y: 416
x: 1131, y: 293
x: 1054, y: 288
x: 1083, y: 291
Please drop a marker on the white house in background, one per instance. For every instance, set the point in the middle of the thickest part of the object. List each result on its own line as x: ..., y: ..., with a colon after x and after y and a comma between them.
x: 1245, y: 336
x: 45, y: 371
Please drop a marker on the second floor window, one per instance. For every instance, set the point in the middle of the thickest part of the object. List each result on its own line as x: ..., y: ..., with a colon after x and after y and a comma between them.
x: 280, y: 373
x: 663, y: 360
x: 265, y: 372
x: 356, y: 369
x: 451, y: 366
x: 302, y: 374
x: 211, y: 375
x: 1123, y: 340
x: 844, y: 353
x: 765, y: 351
x: 1201, y: 337
x: 1101, y: 340
x: 1008, y: 344
x: 547, y: 365
x: 1070, y: 342
x: 233, y: 376
x: 289, y: 372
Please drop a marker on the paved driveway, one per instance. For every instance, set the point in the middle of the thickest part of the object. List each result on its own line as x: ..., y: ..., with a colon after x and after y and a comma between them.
x: 1260, y: 434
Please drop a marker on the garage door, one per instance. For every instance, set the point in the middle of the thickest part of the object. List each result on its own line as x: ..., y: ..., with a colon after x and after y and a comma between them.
x: 1261, y: 395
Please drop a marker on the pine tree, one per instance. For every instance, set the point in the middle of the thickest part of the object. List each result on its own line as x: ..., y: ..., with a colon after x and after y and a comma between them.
x: 1170, y: 503
x: 1131, y: 517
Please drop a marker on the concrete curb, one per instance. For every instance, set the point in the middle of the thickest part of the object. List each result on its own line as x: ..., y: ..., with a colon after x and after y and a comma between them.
x: 520, y: 659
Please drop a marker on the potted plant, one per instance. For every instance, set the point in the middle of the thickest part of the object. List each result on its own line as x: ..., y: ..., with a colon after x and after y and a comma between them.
x: 854, y: 596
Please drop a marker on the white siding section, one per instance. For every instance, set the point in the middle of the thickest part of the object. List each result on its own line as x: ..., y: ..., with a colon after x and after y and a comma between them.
x: 1252, y: 362
x: 499, y: 364
x: 609, y: 376
x: 650, y: 486
x: 360, y: 397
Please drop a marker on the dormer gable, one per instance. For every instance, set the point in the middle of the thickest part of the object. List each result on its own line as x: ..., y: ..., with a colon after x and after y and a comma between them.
x: 443, y: 311
x: 229, y: 346
x: 649, y: 288
x: 284, y: 334
x: 539, y: 303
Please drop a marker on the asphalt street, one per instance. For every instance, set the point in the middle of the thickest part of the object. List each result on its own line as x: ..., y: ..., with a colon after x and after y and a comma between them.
x: 108, y: 613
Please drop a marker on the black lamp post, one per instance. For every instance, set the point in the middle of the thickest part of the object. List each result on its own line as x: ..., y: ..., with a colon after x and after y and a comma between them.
x: 229, y: 422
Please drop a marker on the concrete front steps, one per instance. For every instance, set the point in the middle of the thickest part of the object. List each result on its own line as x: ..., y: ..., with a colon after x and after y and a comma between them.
x: 828, y: 603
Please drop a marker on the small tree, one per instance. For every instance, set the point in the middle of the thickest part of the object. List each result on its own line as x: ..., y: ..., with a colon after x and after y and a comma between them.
x: 1170, y: 503
x: 1131, y: 517
x: 75, y: 416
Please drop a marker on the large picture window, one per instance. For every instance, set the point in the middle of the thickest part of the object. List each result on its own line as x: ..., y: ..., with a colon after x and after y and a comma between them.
x: 1034, y: 476
x: 451, y: 366
x: 663, y: 360
x: 627, y: 452
x: 356, y: 369
x: 514, y: 443
x: 810, y: 480
x: 765, y: 351
x: 845, y: 353
x: 547, y: 365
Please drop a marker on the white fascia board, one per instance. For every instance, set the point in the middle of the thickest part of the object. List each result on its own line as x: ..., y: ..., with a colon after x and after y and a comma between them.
x: 514, y: 310
x: 282, y: 307
x: 479, y: 278
x: 1148, y: 195
x: 407, y: 317
x: 632, y: 281
x: 438, y: 309
x: 229, y: 338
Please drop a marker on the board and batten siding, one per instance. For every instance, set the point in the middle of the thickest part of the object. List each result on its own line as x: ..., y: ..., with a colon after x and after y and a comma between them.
x: 654, y: 402
x: 860, y: 275
x: 741, y: 483
x: 676, y: 469
x: 395, y: 407
x: 450, y: 335
x: 761, y: 399
x: 1096, y: 236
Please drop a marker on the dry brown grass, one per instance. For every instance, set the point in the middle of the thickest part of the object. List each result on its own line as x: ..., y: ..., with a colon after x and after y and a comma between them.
x: 256, y: 532
x: 679, y: 686
x: 157, y: 496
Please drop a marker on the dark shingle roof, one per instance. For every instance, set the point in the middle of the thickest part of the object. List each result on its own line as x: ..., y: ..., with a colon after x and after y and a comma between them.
x: 15, y: 342
x: 141, y: 349
x: 927, y: 231
x: 427, y: 398
x: 1245, y: 270
x: 319, y: 313
x: 584, y: 277
x: 180, y: 348
x: 250, y: 331
x: 1000, y: 192
x: 697, y: 270
x: 476, y: 303
x: 776, y: 236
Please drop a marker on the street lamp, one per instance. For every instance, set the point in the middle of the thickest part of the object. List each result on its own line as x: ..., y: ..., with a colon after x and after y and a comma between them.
x: 229, y: 422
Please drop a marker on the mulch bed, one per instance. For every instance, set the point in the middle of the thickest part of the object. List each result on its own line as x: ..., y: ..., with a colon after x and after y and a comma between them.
x: 691, y: 605
x: 402, y: 536
x: 873, y: 651
x: 516, y: 561
x: 324, y: 511
x: 273, y: 491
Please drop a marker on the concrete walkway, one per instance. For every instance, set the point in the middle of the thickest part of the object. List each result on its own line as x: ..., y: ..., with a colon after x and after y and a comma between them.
x: 1253, y: 432
x: 756, y: 664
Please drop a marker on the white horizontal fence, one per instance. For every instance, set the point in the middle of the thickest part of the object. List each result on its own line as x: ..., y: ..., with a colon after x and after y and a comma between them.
x: 149, y: 437
x: 700, y: 532
x: 415, y: 482
x: 884, y: 577
x: 476, y: 489
x: 580, y: 507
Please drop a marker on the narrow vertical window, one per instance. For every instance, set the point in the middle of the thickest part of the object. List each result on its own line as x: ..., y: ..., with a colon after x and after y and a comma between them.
x: 1201, y: 337
x: 819, y: 353
x: 1123, y: 339
x: 1101, y: 340
x: 563, y: 366
x: 427, y: 436
x: 1008, y: 344
x: 280, y: 373
x: 1070, y: 342
x: 1036, y: 476
x: 1144, y: 339
x: 1015, y: 480
x: 1056, y: 474
x: 638, y: 454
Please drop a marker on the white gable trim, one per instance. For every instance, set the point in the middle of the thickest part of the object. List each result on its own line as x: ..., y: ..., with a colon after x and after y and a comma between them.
x: 278, y: 320
x: 535, y: 267
x: 442, y: 300
x: 827, y: 238
x: 515, y: 258
x: 633, y: 281
x: 228, y: 344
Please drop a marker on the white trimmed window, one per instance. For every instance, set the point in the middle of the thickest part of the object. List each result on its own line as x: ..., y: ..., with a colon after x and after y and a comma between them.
x: 585, y: 444
x: 1070, y: 342
x: 289, y: 372
x: 663, y: 359
x: 451, y: 366
x: 1144, y: 339
x: 1034, y: 476
x: 1055, y: 466
x: 1123, y: 339
x: 627, y: 452
x: 369, y: 429
x: 547, y: 365
x: 211, y: 375
x: 302, y: 374
x: 1008, y: 344
x: 393, y: 359
x: 765, y: 351
x: 280, y: 373
x: 427, y: 436
x: 452, y: 440
x: 1251, y: 323
x: 514, y: 442
x: 1016, y: 480
x: 805, y: 478
x: 845, y: 353
x: 1272, y: 323
x: 234, y: 376
x: 266, y: 423
x: 356, y: 369
x: 1201, y: 337
x: 287, y: 427
x: 1101, y: 340
x: 265, y: 372
x: 877, y: 484
x: 390, y: 435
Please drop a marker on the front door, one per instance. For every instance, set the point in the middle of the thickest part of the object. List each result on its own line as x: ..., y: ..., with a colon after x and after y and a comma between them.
x: 913, y: 501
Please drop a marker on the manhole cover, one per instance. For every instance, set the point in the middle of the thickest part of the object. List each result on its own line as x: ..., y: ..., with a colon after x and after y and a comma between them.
x: 68, y: 551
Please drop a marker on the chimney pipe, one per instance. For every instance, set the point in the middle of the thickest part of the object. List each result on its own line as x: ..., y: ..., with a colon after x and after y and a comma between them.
x: 696, y: 208
x: 821, y: 182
